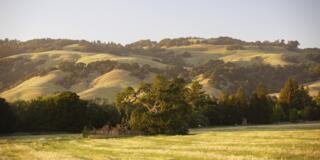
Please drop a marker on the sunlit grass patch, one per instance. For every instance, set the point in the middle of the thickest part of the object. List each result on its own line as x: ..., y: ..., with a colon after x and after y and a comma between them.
x: 289, y: 141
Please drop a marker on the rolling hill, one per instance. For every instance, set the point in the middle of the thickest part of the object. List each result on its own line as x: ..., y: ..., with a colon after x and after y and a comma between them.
x: 95, y: 70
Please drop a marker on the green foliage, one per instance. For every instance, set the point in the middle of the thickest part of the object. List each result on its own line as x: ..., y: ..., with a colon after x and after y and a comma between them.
x: 142, y: 44
x: 293, y: 115
x: 10, y: 47
x: 199, y: 102
x: 260, y: 108
x: 7, y: 117
x: 292, y: 45
x: 293, y: 96
x: 99, y: 115
x: 198, y: 119
x: 157, y: 123
x: 196, y: 96
x: 61, y: 112
x: 311, y: 113
x: 124, y: 103
x: 241, y: 101
x: 224, y: 41
x: 159, y: 107
x: 174, y: 42
x: 230, y: 110
x: 278, y: 115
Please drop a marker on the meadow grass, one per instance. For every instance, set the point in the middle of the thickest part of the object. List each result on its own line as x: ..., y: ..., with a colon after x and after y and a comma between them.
x: 289, y: 141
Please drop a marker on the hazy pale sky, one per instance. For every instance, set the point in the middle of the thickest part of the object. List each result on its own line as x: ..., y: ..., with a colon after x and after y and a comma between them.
x: 131, y: 20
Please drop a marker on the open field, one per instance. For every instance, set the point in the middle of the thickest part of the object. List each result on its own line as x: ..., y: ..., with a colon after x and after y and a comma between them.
x: 289, y: 141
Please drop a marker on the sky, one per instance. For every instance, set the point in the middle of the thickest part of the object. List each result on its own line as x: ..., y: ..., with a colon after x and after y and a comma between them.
x: 131, y: 20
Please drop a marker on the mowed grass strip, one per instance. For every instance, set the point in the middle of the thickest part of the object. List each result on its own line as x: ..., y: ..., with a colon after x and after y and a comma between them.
x: 290, y: 141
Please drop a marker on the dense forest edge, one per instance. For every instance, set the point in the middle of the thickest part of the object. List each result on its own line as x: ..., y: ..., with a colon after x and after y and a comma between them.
x: 163, y: 106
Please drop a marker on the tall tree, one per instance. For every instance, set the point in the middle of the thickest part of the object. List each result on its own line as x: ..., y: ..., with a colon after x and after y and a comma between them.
x: 242, y: 102
x: 260, y: 109
x: 200, y: 103
x: 293, y: 96
x: 229, y: 109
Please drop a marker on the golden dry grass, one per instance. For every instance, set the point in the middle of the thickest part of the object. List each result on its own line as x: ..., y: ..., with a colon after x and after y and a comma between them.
x: 290, y: 141
x: 109, y: 84
x: 251, y: 56
x: 35, y: 87
x: 89, y: 58
x: 105, y: 86
x: 202, y: 53
x: 55, y: 57
x: 207, y: 87
x: 93, y: 86
x: 314, y: 88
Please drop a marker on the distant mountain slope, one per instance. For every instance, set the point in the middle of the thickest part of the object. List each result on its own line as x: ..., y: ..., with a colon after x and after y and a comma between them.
x: 55, y: 57
x: 92, y: 86
x: 101, y: 70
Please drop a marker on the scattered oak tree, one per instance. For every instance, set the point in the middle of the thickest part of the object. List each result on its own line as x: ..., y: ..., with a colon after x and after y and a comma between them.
x: 160, y: 107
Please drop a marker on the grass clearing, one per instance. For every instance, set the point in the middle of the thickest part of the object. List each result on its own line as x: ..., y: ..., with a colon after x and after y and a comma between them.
x: 289, y: 141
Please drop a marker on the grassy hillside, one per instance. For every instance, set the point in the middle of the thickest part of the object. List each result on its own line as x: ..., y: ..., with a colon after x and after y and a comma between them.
x: 248, y: 57
x: 290, y: 141
x: 38, y: 73
x: 92, y: 86
x: 53, y: 58
x: 109, y: 84
x: 201, y: 53
x: 35, y: 87
x: 105, y: 86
